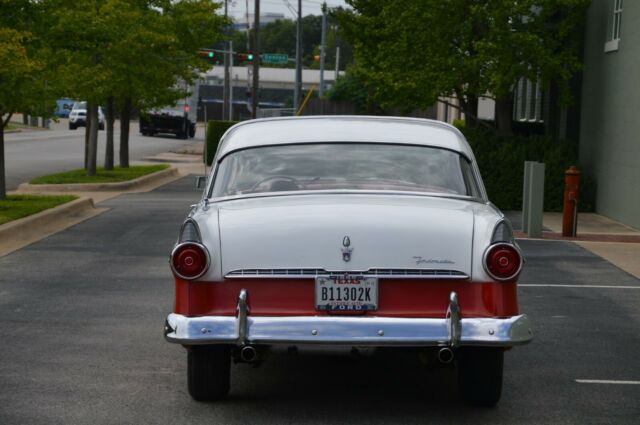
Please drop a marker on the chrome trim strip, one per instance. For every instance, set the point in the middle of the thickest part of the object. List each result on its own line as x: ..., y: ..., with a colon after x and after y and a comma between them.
x: 344, y: 192
x: 294, y: 273
x: 348, y: 330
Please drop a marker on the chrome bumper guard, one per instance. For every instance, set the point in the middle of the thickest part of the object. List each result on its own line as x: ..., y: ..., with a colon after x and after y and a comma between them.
x: 451, y: 331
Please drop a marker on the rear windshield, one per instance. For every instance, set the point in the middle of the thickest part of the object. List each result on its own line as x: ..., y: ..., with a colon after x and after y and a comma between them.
x: 344, y: 166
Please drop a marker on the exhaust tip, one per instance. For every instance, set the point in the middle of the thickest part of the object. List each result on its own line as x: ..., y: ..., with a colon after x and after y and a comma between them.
x: 445, y: 355
x: 248, y: 354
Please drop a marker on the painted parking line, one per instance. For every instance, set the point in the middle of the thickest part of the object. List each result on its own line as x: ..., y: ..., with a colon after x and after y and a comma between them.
x: 606, y: 381
x: 533, y: 285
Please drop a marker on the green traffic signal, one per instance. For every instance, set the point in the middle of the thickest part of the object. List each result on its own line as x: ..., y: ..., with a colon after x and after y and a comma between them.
x: 210, y: 55
x: 250, y: 57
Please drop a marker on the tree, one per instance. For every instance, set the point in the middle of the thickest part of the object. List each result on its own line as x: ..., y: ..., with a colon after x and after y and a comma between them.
x: 148, y: 62
x: 413, y: 53
x: 128, y: 54
x: 23, y: 81
x: 280, y: 37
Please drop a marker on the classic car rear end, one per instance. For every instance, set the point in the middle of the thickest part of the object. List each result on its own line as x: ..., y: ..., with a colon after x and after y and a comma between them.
x: 351, y: 231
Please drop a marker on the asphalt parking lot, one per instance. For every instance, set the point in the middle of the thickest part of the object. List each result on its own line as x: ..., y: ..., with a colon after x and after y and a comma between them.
x: 83, y: 311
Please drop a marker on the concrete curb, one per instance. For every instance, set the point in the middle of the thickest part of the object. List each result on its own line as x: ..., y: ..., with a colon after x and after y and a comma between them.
x: 100, y: 187
x: 24, y: 231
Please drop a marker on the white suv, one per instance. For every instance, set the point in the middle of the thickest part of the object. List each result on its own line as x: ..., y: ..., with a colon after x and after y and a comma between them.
x: 78, y: 116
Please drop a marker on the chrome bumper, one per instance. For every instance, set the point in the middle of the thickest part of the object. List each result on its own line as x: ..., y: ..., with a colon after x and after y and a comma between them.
x: 451, y: 331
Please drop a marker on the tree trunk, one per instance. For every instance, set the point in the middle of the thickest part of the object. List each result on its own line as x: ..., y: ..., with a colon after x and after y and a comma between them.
x: 25, y: 119
x: 504, y: 115
x: 108, y: 155
x: 471, y: 111
x: 87, y: 129
x: 3, y: 185
x: 92, y: 110
x: 125, y: 117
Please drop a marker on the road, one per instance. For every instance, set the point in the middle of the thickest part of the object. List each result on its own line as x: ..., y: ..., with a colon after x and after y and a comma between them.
x: 33, y: 153
x: 82, y: 315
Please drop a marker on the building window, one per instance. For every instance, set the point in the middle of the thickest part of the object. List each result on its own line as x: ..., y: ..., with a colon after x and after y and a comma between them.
x: 527, y: 101
x: 614, y: 26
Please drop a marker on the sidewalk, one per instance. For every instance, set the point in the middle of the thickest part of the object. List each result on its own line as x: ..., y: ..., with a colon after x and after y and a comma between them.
x: 607, y: 238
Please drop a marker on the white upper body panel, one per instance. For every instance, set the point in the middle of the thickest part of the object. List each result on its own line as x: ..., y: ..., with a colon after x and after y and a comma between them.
x: 388, y: 229
x: 314, y: 129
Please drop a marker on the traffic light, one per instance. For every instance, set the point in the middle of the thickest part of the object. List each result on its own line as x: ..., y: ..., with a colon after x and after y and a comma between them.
x: 245, y: 57
x: 208, y: 55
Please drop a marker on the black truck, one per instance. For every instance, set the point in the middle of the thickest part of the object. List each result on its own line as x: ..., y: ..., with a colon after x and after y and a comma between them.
x: 167, y: 122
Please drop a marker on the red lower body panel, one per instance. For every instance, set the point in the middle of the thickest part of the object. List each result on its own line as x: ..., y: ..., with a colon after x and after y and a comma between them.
x: 396, y: 298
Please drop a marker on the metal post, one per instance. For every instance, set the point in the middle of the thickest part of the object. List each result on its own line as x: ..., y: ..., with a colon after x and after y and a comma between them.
x: 231, y: 82
x: 256, y: 60
x: 298, y: 86
x: 249, y: 75
x: 206, y: 124
x: 322, y: 48
x: 525, y: 195
x: 225, y: 90
x: 335, y: 77
x: 536, y: 200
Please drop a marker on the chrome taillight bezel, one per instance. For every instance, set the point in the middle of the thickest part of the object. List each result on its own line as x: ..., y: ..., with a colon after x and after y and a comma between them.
x: 191, y: 243
x: 498, y: 245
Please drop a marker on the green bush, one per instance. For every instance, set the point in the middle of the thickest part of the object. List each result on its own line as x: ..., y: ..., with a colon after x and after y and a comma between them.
x: 501, y: 162
x: 459, y: 124
x: 215, y: 130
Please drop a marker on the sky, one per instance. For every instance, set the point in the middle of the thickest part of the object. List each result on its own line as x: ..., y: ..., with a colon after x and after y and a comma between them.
x: 237, y: 8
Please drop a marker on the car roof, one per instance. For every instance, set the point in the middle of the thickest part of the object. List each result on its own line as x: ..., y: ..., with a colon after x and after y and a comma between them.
x: 342, y: 128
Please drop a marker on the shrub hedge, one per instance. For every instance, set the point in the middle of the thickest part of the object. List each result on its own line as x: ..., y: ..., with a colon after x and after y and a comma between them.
x: 501, y: 161
x: 215, y: 130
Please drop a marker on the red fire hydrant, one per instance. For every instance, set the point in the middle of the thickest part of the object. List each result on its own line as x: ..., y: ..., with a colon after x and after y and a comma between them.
x: 570, y: 205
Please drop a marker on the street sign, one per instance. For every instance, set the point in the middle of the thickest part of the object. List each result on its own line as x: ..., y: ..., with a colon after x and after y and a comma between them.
x: 274, y: 58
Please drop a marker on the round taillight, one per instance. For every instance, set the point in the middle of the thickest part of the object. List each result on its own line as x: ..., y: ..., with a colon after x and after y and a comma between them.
x: 503, y: 261
x: 189, y: 260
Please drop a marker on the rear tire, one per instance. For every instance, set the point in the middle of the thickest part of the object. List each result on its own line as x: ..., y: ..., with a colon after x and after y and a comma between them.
x: 208, y: 372
x: 72, y: 127
x: 480, y: 375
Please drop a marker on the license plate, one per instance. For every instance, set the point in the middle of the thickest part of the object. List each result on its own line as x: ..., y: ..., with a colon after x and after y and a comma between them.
x: 346, y: 293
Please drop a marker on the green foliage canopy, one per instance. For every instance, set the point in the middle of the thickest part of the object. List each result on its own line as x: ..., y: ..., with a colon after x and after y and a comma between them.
x: 411, y: 52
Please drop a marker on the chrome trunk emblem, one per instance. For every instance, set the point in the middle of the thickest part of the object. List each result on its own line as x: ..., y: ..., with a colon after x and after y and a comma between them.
x: 346, y: 250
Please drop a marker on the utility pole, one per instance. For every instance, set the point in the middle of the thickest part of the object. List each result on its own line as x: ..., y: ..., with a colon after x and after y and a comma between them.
x: 335, y: 77
x: 298, y: 86
x: 231, y: 83
x: 225, y: 90
x: 249, y: 68
x: 322, y: 48
x: 256, y: 60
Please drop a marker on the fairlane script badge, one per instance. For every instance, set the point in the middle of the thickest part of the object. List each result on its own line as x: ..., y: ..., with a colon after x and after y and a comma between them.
x: 346, y: 251
x: 420, y: 260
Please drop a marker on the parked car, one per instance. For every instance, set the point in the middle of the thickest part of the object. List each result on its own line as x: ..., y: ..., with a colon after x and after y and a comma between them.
x: 78, y: 116
x: 63, y: 107
x: 346, y: 231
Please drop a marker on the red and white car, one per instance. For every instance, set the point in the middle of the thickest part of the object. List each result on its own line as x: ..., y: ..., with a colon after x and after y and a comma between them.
x: 346, y: 231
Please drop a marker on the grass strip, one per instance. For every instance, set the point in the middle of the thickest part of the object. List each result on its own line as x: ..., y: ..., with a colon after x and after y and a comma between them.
x: 102, y: 176
x: 18, y: 206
